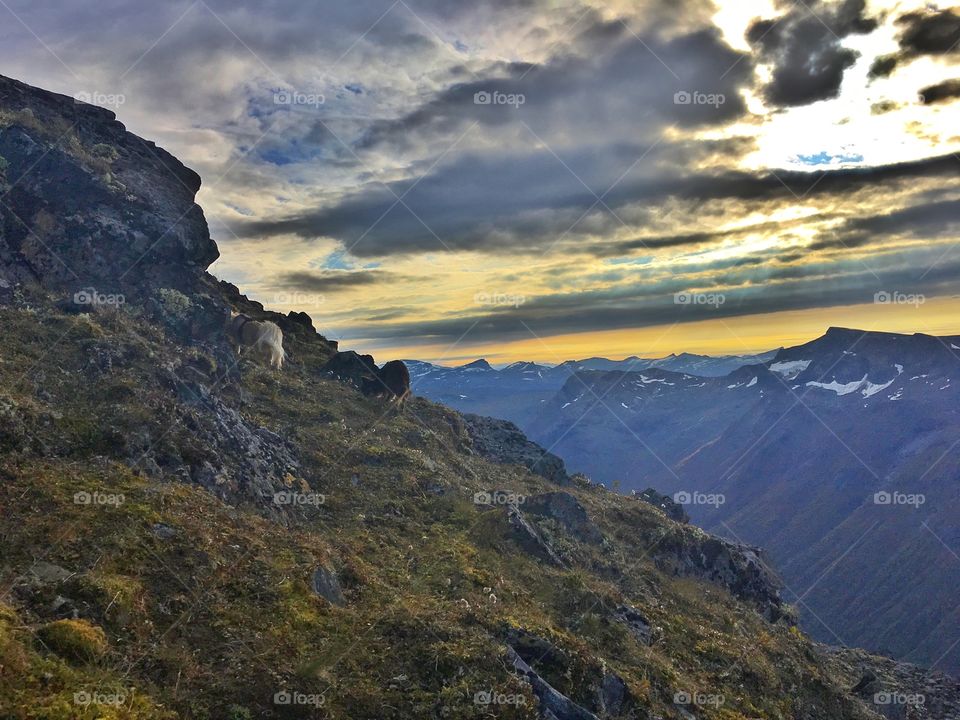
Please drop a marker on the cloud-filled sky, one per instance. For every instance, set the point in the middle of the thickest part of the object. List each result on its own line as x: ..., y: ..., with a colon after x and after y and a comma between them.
x: 547, y: 179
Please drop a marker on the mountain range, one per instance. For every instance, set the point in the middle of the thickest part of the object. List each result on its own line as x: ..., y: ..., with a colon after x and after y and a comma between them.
x: 514, y: 392
x: 838, y: 455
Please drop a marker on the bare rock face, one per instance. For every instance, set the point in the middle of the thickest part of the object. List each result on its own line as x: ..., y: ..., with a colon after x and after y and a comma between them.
x: 503, y: 442
x: 88, y: 204
x: 739, y: 568
x: 566, y: 510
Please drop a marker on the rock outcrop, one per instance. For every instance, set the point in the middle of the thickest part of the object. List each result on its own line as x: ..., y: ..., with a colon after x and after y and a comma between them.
x: 90, y: 205
x: 737, y: 567
x: 503, y: 442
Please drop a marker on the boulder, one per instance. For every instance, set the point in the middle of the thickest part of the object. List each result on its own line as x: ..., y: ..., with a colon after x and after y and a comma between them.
x: 673, y: 510
x: 325, y: 584
x: 566, y: 510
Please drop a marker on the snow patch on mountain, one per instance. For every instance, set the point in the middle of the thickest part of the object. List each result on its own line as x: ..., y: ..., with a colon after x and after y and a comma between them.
x: 790, y: 368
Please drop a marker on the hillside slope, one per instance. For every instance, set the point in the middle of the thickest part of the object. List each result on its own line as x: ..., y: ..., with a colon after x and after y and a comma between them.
x: 798, y: 455
x: 188, y: 536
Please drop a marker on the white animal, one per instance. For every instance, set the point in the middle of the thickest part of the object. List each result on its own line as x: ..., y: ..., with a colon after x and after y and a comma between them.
x: 262, y: 336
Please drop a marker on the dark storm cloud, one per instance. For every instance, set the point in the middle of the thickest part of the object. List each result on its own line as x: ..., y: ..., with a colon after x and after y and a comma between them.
x: 925, y: 32
x: 941, y: 92
x: 927, y: 220
x: 607, y: 75
x: 505, y: 204
x: 806, y: 50
x: 330, y: 281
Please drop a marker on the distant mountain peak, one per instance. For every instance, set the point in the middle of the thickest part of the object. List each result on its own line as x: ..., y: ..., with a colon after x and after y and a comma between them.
x: 480, y: 364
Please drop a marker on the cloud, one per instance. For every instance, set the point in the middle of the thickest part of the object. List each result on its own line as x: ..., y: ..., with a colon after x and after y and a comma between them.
x: 330, y: 281
x: 521, y: 204
x: 941, y: 92
x: 927, y: 32
x: 645, y: 304
x: 805, y: 48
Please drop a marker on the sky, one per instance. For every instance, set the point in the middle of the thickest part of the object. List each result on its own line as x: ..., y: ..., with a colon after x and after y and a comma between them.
x: 547, y: 179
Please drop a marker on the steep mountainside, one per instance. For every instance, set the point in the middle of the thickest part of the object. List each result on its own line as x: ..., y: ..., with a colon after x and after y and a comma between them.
x: 186, y: 535
x: 838, y: 456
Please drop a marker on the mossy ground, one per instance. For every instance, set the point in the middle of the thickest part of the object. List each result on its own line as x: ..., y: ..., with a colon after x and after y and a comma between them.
x: 207, y: 608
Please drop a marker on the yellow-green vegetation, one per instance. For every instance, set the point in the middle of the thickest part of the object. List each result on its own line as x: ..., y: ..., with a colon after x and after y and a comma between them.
x: 76, y: 640
x: 200, y: 602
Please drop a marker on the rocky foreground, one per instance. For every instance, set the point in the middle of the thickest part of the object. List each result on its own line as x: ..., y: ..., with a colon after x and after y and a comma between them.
x: 188, y: 536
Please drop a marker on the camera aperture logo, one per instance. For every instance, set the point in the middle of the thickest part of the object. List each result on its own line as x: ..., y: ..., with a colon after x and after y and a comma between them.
x: 498, y: 497
x: 896, y: 497
x: 298, y: 499
x: 495, y: 97
x: 899, y: 698
x: 295, y: 98
x: 86, y: 698
x: 90, y: 296
x: 695, y: 97
x: 698, y: 698
x: 492, y: 697
x: 96, y: 497
x: 714, y: 300
x: 99, y: 98
x: 293, y: 697
x: 698, y: 498
x: 895, y: 297
x: 299, y: 299
x: 499, y: 299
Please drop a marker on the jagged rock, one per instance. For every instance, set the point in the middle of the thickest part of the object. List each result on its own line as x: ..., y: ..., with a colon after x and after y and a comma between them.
x: 109, y: 205
x: 352, y: 368
x: 163, y: 531
x: 893, y: 689
x: 553, y: 704
x: 673, y: 510
x: 566, y: 510
x: 613, y: 694
x: 503, y: 442
x: 737, y: 567
x: 47, y: 573
x: 529, y: 537
x: 325, y: 584
x: 636, y: 623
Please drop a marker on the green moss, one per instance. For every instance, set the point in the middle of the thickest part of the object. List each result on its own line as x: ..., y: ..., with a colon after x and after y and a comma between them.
x: 74, y: 639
